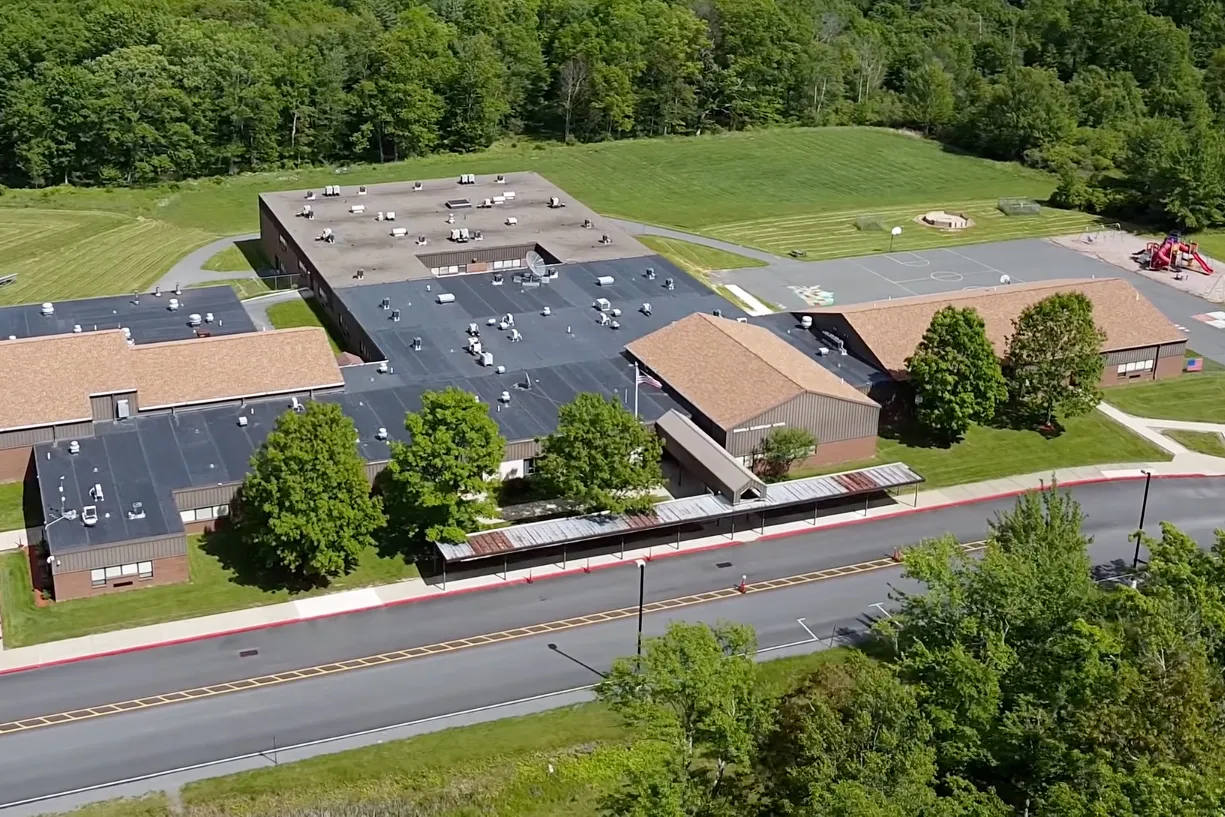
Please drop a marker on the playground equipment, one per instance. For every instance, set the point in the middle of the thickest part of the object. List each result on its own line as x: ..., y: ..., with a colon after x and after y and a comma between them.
x: 1172, y: 254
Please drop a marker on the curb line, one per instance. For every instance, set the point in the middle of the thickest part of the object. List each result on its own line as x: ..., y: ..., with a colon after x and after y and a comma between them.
x: 573, y: 571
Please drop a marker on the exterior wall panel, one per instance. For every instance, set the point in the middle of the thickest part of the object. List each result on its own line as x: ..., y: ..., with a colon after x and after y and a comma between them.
x: 26, y: 437
x: 522, y: 450
x: 140, y: 550
x: 862, y: 448
x: 72, y: 431
x: 192, y: 498
x: 17, y: 464
x: 829, y: 419
x: 79, y: 585
x: 479, y: 255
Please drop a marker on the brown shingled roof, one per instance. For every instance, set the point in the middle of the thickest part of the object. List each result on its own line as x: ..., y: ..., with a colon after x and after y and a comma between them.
x: 732, y: 371
x: 892, y: 329
x: 50, y: 379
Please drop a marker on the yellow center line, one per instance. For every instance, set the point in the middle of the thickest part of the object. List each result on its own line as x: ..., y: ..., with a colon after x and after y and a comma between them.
x: 335, y: 667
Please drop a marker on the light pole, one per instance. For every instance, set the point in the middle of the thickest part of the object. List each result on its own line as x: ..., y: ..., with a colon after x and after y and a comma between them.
x: 1135, y: 561
x: 642, y: 585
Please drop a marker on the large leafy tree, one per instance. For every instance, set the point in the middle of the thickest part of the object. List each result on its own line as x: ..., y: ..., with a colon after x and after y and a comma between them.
x: 1055, y: 363
x: 600, y: 457
x: 956, y: 374
x: 305, y: 506
x: 782, y: 448
x: 694, y: 694
x: 437, y: 483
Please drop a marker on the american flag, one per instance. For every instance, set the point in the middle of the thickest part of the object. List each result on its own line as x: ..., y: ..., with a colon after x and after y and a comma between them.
x: 643, y: 377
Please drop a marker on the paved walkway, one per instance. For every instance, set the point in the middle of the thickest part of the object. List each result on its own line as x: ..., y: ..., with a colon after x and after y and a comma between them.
x: 257, y: 307
x: 190, y: 268
x: 1151, y: 427
x: 416, y: 589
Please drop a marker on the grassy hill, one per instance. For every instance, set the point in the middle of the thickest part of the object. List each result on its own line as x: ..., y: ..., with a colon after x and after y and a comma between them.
x: 779, y: 189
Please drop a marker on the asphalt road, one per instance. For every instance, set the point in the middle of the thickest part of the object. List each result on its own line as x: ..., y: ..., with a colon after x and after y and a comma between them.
x: 50, y: 760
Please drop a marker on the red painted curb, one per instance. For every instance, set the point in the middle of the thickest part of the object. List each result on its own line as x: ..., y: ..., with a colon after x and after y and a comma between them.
x: 572, y: 571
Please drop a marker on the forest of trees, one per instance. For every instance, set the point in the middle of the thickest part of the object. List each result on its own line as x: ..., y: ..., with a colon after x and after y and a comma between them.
x: 1123, y: 98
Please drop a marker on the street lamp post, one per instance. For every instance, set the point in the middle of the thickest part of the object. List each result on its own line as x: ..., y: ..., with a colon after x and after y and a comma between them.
x: 642, y: 584
x: 1135, y: 561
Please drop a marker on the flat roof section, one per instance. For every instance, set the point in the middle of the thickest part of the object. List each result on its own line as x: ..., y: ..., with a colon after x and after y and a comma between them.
x: 571, y: 333
x: 859, y: 373
x: 533, y: 535
x: 149, y: 318
x: 363, y: 242
x: 119, y: 464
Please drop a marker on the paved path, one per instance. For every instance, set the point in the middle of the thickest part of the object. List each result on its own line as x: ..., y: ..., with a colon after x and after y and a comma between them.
x: 190, y: 268
x: 257, y: 307
x: 1151, y: 427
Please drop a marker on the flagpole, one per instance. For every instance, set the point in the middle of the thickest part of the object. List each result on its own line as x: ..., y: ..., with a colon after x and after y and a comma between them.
x: 635, y: 390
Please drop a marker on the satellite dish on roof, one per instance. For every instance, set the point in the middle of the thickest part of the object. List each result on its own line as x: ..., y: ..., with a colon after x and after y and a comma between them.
x: 536, y: 264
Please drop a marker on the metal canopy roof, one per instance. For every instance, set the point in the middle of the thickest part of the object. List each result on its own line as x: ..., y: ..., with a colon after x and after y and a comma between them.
x: 678, y: 511
x: 700, y: 453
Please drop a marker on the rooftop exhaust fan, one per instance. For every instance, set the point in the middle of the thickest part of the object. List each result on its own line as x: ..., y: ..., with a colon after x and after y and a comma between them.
x: 381, y: 434
x: 242, y: 421
x: 417, y: 186
x: 138, y: 511
x: 74, y: 447
x: 384, y: 368
x: 501, y: 179
x: 361, y: 191
x: 173, y: 305
x: 76, y: 329
x: 48, y: 309
x: 806, y: 321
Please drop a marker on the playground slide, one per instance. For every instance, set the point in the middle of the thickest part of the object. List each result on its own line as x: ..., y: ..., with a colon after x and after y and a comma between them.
x: 1203, y: 264
x: 1161, y: 258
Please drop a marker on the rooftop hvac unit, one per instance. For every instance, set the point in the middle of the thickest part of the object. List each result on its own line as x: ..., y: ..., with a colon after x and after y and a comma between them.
x: 385, y: 303
x: 616, y: 313
x: 501, y: 179
x: 306, y: 211
x: 718, y: 313
x: 823, y: 351
x: 605, y: 281
x: 500, y: 369
x: 123, y: 409
x: 505, y: 397
x: 48, y: 309
x: 547, y: 311
x: 421, y: 241
x: 742, y: 320
x: 604, y: 239
x: 127, y: 334
x: 208, y: 317
x: 173, y: 305
x: 511, y: 221
x: 669, y: 283
x: 76, y: 329
x: 383, y: 367
x: 646, y: 309
x: 446, y: 298
x: 357, y: 209
x: 379, y: 216
x: 138, y: 511
x: 486, y: 204
x: 509, y: 195
x: 555, y: 202
x: 395, y: 315
x: 416, y: 344
x: 296, y: 405
x: 381, y: 434
x: 89, y: 515
x: 391, y: 215
x: 310, y: 195
x: 474, y: 345
x: 806, y: 321
x: 497, y: 200
x: 242, y: 421
x: 650, y: 273
x: 473, y: 329
x: 95, y: 493
x: 417, y: 186
x: 361, y: 191
x: 486, y: 358
x: 467, y: 178
x: 74, y: 447
x: 602, y: 304
x: 399, y: 232
x: 194, y: 319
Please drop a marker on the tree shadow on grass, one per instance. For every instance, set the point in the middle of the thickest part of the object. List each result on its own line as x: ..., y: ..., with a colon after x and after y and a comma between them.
x: 227, y: 545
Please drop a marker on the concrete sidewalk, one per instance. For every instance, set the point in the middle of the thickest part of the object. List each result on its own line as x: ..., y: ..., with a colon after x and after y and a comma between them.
x: 411, y: 590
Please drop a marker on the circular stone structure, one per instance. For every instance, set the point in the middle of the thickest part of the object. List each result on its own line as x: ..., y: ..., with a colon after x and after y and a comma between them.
x: 945, y: 221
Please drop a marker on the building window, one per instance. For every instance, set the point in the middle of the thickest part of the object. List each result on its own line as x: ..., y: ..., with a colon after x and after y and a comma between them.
x: 146, y: 570
x: 221, y: 510
x: 129, y: 570
x: 281, y: 239
x: 1125, y: 369
x: 302, y: 268
x: 529, y: 466
x: 187, y: 516
x: 97, y: 577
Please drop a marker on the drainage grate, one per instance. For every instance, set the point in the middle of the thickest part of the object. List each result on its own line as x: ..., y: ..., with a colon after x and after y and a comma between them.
x: 722, y: 565
x: 247, y: 653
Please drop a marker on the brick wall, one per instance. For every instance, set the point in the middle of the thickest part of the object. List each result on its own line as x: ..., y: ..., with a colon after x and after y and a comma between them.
x: 16, y: 464
x: 859, y: 448
x: 78, y: 585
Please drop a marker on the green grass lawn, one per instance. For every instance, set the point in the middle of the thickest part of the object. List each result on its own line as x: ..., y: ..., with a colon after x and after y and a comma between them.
x: 991, y: 453
x: 74, y: 242
x: 241, y: 256
x: 243, y: 287
x: 697, y: 259
x: 301, y: 312
x: 1205, y: 442
x: 215, y: 587
x: 12, y: 512
x: 1196, y: 396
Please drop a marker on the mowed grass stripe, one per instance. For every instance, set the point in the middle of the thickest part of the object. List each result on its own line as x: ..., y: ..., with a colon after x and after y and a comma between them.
x: 832, y: 235
x: 58, y: 255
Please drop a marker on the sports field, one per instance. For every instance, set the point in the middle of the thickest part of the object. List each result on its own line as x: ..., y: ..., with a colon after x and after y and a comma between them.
x: 779, y: 190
